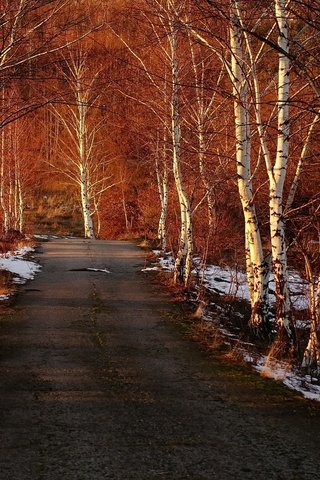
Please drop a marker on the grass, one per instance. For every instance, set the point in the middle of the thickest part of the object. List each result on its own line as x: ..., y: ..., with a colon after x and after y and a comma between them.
x: 54, y: 212
x: 6, y: 287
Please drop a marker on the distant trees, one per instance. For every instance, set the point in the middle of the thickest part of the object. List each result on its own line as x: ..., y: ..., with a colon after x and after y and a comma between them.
x: 17, y: 172
x: 31, y: 32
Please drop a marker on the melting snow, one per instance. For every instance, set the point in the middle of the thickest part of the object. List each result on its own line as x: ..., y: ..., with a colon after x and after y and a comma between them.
x: 15, y: 263
x: 229, y: 281
x: 103, y: 270
x: 305, y: 384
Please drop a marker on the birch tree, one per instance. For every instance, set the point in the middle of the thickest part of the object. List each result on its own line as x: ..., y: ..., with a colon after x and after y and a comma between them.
x: 276, y: 170
x: 277, y: 176
x: 77, y: 111
x: 256, y: 264
x: 161, y: 18
x: 183, y: 262
x: 257, y: 267
x: 162, y: 175
x: 16, y: 172
x: 30, y: 33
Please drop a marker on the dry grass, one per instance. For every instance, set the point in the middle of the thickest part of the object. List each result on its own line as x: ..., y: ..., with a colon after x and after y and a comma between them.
x: 54, y: 213
x: 6, y: 287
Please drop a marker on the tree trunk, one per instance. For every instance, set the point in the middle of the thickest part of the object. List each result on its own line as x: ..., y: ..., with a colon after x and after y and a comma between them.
x: 83, y: 177
x: 162, y: 182
x: 277, y: 232
x: 183, y: 263
x: 257, y: 268
x: 85, y: 204
x: 4, y: 207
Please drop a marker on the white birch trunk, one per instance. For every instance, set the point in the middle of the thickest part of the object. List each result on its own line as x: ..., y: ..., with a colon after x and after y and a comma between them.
x: 98, y: 219
x: 183, y: 262
x: 162, y: 182
x: 277, y: 179
x: 18, y: 194
x: 162, y: 227
x: 124, y: 207
x: 85, y: 204
x: 257, y: 269
x: 20, y: 208
x: 3, y: 202
x: 83, y: 176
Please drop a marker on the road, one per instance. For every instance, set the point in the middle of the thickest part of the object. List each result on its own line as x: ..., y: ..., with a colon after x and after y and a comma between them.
x: 97, y: 384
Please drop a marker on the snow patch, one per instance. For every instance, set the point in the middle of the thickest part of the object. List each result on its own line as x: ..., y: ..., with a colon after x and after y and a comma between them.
x: 229, y: 281
x: 21, y: 268
x: 41, y: 237
x: 103, y: 270
x: 4, y: 297
x: 233, y: 282
x: 308, y: 386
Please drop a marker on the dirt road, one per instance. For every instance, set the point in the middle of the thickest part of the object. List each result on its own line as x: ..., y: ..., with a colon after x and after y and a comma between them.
x: 96, y: 384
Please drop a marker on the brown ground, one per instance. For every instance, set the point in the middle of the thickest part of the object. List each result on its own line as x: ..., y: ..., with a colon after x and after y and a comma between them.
x: 97, y: 384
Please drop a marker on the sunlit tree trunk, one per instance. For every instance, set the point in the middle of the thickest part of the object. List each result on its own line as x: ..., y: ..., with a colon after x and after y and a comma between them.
x: 257, y: 268
x: 83, y: 173
x: 85, y: 204
x: 277, y: 179
x: 162, y: 182
x: 20, y: 224
x: 3, y: 202
x: 183, y: 262
x: 18, y: 201
x: 125, y: 210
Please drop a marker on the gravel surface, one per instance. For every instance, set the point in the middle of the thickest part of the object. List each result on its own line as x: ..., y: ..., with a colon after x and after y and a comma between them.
x: 97, y: 383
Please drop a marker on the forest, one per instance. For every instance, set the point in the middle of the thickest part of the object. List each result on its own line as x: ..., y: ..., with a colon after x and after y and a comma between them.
x: 193, y: 124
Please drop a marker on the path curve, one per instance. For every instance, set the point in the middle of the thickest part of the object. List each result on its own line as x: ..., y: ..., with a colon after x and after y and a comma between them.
x: 96, y: 384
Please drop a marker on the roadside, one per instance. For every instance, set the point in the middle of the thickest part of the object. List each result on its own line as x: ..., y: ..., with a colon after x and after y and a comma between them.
x: 221, y: 312
x: 99, y: 383
x: 17, y: 266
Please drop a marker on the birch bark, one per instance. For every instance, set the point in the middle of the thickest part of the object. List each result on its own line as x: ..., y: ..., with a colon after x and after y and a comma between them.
x: 276, y: 182
x: 183, y: 262
x: 162, y: 182
x: 3, y: 202
x: 257, y: 268
x: 83, y: 153
x: 85, y: 204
